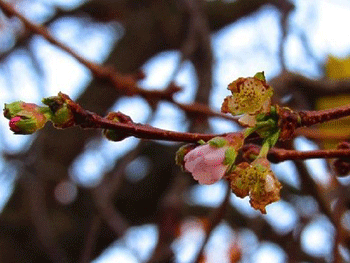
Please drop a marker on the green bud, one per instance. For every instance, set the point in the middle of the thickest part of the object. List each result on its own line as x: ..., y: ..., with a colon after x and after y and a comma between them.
x: 115, y: 136
x: 201, y: 142
x: 61, y: 115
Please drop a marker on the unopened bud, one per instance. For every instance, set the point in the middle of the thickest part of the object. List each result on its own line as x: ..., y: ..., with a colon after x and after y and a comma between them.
x: 27, y: 122
x: 114, y: 135
x: 61, y: 114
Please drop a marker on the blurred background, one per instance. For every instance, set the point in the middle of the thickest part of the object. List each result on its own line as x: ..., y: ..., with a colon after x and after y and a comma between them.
x: 73, y: 196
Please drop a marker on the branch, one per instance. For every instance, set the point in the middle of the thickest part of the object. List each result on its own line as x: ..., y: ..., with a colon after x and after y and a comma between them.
x: 124, y: 83
x: 309, y: 118
x: 87, y: 119
x: 280, y: 155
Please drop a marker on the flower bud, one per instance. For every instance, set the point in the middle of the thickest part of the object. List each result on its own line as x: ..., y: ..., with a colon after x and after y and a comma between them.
x: 27, y: 122
x: 61, y: 114
x: 208, y: 163
x: 114, y: 135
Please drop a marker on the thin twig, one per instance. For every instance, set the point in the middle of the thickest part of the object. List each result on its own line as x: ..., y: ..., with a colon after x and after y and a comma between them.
x: 125, y: 83
x: 87, y: 119
x: 280, y: 155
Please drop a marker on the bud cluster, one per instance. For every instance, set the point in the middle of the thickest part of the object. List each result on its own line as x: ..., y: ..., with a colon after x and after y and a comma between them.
x: 27, y: 118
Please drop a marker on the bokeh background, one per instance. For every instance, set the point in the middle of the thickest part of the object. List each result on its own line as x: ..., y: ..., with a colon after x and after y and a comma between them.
x: 73, y: 196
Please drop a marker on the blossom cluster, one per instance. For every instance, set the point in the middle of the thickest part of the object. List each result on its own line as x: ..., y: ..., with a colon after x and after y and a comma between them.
x: 209, y: 162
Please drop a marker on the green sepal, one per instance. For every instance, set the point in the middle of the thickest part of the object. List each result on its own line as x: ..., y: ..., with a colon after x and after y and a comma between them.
x: 230, y: 156
x: 201, y: 142
x: 26, y: 125
x: 11, y: 109
x: 46, y: 111
x: 217, y: 142
x: 181, y: 152
x: 29, y: 122
x: 260, y: 75
x: 62, y: 116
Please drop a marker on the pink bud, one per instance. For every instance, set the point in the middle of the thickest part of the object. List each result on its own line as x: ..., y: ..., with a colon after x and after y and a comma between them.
x: 206, y: 163
x: 13, y: 125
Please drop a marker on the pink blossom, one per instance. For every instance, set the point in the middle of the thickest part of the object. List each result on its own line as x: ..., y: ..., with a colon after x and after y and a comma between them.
x: 206, y: 163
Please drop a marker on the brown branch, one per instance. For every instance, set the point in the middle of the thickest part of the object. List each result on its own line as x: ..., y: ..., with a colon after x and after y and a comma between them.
x: 87, y: 119
x: 124, y: 83
x: 309, y: 118
x: 280, y: 155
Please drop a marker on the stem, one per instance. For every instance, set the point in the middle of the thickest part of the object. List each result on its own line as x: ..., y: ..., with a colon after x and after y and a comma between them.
x: 264, y: 150
x: 249, y: 131
x: 148, y: 132
x: 309, y: 118
x: 127, y: 127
